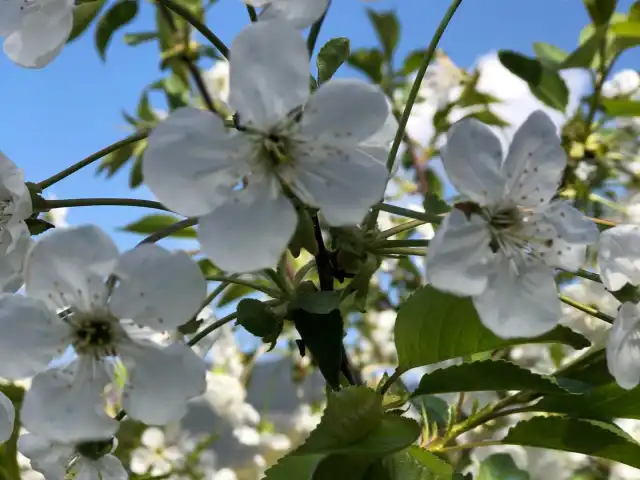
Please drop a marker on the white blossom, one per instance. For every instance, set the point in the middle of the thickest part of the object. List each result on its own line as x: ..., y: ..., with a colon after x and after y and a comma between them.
x: 619, y: 256
x: 66, y: 273
x: 441, y: 83
x: 7, y: 417
x: 332, y: 158
x: 623, y: 348
x: 35, y: 31
x: 300, y: 13
x: 84, y: 461
x: 227, y: 397
x: 589, y: 293
x: 624, y: 82
x: 502, y: 251
x: 217, y: 80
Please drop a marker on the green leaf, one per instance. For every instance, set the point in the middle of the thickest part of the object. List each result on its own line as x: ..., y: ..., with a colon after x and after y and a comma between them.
x: 501, y: 466
x: 550, y: 55
x: 316, y: 302
x: 626, y: 34
x: 232, y: 293
x: 634, y: 11
x: 387, y: 29
x: 259, y: 320
x: 322, y: 335
x: 582, y: 57
x: 545, y: 83
x: 134, y: 39
x: 413, y: 61
x: 600, y: 11
x: 289, y: 467
x: 152, y: 223
x: 414, y: 463
x: 434, y: 204
x: 485, y: 375
x: 83, y: 15
x: 119, y: 15
x: 603, y: 402
x: 596, y: 439
x: 207, y: 267
x: 37, y: 225
x: 488, y: 117
x: 433, y: 326
x: 144, y: 110
x: 331, y: 56
x: 434, y: 183
x: 621, y: 107
x: 116, y: 160
x: 369, y: 61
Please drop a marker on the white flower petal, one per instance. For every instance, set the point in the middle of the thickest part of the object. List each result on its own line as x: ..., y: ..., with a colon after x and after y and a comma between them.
x: 32, y: 336
x: 157, y: 288
x: 86, y: 469
x: 471, y: 159
x: 345, y: 110
x: 535, y: 162
x: 41, y: 34
x: 519, y: 305
x: 190, y: 156
x: 251, y: 230
x: 458, y: 255
x: 565, y: 255
x: 342, y: 181
x: 269, y: 73
x: 14, y: 190
x: 7, y: 417
x: 66, y: 405
x: 619, y: 256
x: 623, y: 348
x: 46, y: 457
x: 69, y: 267
x: 14, y: 247
x: 386, y: 135
x: 300, y: 13
x: 570, y: 223
x: 111, y: 468
x: 161, y: 381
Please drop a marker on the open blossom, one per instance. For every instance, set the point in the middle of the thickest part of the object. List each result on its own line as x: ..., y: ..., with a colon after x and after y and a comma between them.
x: 329, y: 149
x: 35, y: 31
x: 155, y: 290
x: 623, y: 348
x: 7, y: 417
x: 619, y: 256
x: 500, y: 247
x: 624, y: 82
x: 300, y: 13
x: 89, y: 461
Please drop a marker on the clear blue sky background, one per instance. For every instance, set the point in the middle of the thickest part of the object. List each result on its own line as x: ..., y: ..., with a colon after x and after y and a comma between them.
x: 56, y: 116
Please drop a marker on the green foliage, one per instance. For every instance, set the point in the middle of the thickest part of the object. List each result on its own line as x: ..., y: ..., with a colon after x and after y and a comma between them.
x: 369, y: 61
x: 387, y: 29
x: 545, y: 83
x: 38, y: 225
x: 499, y: 467
x: 83, y: 15
x: 621, y: 107
x: 434, y: 204
x: 316, y: 302
x: 583, y: 56
x: 154, y: 222
x: 550, y: 55
x: 414, y: 463
x: 353, y: 433
x: 135, y: 39
x: 433, y: 326
x: 590, y: 437
x: 600, y: 11
x: 483, y: 376
x: 259, y: 320
x: 119, y: 15
x: 110, y: 164
x: 9, y: 467
x: 330, y: 57
x: 412, y: 61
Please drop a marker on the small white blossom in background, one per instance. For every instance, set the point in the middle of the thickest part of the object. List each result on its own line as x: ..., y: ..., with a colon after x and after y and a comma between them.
x: 623, y: 348
x: 66, y: 273
x: 333, y: 158
x: 217, y: 80
x: 381, y: 333
x: 35, y: 31
x: 589, y: 293
x: 7, y: 417
x: 442, y: 82
x: 227, y: 397
x: 620, y: 471
x: 85, y: 462
x: 625, y: 82
x: 500, y: 247
x: 619, y: 256
x: 300, y: 13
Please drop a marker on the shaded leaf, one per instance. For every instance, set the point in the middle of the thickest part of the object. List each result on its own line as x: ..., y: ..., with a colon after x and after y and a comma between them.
x: 549, y: 54
x: 433, y: 326
x: 413, y: 61
x: 545, y: 83
x: 500, y: 466
x: 434, y: 204
x: 387, y: 29
x: 483, y: 376
x: 582, y: 57
x: 83, y: 15
x: 38, y: 225
x: 369, y: 61
x: 152, y: 223
x: 600, y: 11
x: 589, y: 437
x: 331, y: 56
x: 134, y: 39
x: 119, y: 15
x: 316, y: 302
x: 259, y: 320
x: 621, y: 107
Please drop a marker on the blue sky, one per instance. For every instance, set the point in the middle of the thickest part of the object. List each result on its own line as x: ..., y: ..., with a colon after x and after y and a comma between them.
x: 56, y: 116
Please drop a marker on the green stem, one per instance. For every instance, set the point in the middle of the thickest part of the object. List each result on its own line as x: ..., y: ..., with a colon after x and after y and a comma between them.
x: 594, y: 312
x: 407, y: 251
x: 383, y: 244
x: 214, y: 326
x: 281, y: 282
x: 401, y: 228
x: 601, y: 76
x: 406, y: 212
x: 198, y: 25
x: 594, y: 277
x: 101, y: 202
x: 315, y: 31
x: 253, y: 15
x: 303, y: 271
x: 213, y: 295
x: 92, y: 158
x: 272, y: 292
x: 395, y: 376
x: 170, y: 230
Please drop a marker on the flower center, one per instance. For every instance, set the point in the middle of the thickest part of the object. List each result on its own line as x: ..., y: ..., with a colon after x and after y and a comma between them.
x: 276, y: 150
x: 505, y: 218
x: 95, y: 335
